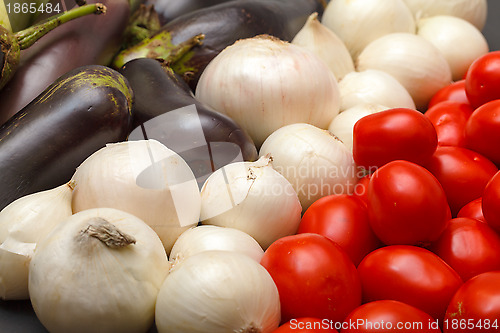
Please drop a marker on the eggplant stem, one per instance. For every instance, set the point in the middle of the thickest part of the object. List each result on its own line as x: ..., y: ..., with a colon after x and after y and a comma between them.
x: 185, y: 47
x: 29, y: 36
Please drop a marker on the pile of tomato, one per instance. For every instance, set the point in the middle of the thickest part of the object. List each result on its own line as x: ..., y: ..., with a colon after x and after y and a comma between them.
x: 416, y: 248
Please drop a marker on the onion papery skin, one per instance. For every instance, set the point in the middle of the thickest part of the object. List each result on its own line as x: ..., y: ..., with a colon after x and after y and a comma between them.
x: 264, y: 83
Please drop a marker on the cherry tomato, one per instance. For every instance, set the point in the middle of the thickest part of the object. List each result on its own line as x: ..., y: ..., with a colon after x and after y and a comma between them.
x: 306, y: 325
x: 482, y: 83
x: 475, y: 307
x: 406, y: 204
x: 452, y: 92
x: 388, y: 316
x: 449, y: 119
x: 491, y: 202
x: 470, y: 247
x: 482, y: 131
x: 344, y: 219
x: 463, y: 173
x: 314, y: 276
x: 409, y: 274
x: 394, y: 134
x: 473, y: 210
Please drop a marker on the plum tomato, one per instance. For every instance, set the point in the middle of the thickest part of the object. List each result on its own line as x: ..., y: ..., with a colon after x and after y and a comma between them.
x: 473, y: 210
x: 306, y: 325
x: 449, y: 119
x: 314, y: 277
x: 482, y: 82
x: 409, y: 274
x: 491, y: 202
x: 475, y: 307
x: 463, y: 173
x: 406, y: 204
x: 394, y: 134
x: 453, y: 92
x: 469, y: 246
x: 482, y: 131
x: 388, y: 316
x: 344, y: 219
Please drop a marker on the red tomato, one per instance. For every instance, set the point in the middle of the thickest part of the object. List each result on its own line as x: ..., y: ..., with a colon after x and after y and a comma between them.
x: 306, y: 325
x: 394, y: 134
x: 406, y: 204
x: 453, y: 92
x: 344, y: 219
x: 361, y: 189
x: 411, y: 275
x: 491, y: 202
x: 482, y: 131
x: 388, y: 316
x: 475, y: 308
x: 473, y: 210
x: 463, y: 173
x: 470, y: 247
x: 314, y: 276
x: 482, y: 83
x: 449, y: 119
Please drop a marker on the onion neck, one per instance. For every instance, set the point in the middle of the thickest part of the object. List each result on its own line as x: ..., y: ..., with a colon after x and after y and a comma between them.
x: 251, y: 329
x: 107, y: 233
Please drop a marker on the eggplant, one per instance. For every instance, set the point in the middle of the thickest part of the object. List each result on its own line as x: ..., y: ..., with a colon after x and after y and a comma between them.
x: 166, y: 110
x: 171, y: 9
x: 90, y: 40
x: 13, y: 43
x: 43, y: 144
x: 224, y: 24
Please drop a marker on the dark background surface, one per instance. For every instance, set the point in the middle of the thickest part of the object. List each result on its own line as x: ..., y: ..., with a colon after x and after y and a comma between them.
x: 18, y: 316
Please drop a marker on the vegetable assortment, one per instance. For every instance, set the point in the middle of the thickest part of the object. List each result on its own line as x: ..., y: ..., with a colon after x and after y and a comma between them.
x: 251, y: 166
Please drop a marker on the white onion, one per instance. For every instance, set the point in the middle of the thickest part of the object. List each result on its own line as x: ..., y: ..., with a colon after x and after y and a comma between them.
x: 143, y: 178
x: 323, y: 42
x: 264, y: 83
x: 359, y: 22
x: 458, y: 40
x: 313, y: 160
x: 218, y: 292
x: 22, y: 224
x: 473, y: 11
x: 342, y: 125
x: 211, y: 237
x: 417, y: 64
x: 246, y: 196
x: 373, y: 86
x: 98, y: 271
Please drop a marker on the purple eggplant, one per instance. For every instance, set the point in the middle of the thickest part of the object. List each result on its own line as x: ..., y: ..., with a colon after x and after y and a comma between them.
x: 171, y: 9
x: 222, y: 25
x: 90, y: 40
x: 13, y: 43
x: 166, y: 110
x: 43, y: 144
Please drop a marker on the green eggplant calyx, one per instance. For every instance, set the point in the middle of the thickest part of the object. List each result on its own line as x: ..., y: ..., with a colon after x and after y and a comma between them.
x: 142, y: 24
x: 159, y: 46
x: 29, y: 36
x: 9, y: 55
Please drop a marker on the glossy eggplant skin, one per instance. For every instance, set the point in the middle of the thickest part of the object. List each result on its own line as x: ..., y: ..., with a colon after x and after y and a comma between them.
x: 91, y: 40
x: 228, y: 22
x: 157, y: 92
x: 171, y: 9
x: 43, y: 144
